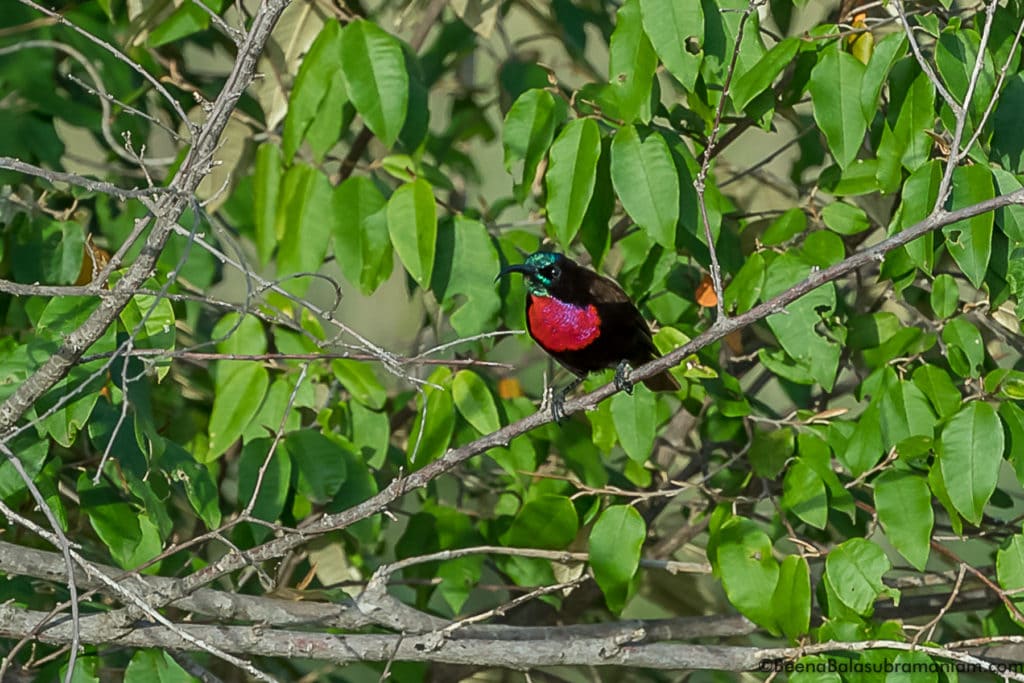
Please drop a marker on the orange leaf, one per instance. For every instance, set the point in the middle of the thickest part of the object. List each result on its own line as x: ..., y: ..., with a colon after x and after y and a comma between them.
x: 509, y: 387
x: 706, y: 293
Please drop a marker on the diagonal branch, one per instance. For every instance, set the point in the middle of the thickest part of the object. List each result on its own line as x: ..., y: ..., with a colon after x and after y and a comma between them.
x: 167, y: 212
x: 399, y: 486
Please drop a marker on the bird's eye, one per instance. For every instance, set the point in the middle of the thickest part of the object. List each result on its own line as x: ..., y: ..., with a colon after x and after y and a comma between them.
x: 552, y: 272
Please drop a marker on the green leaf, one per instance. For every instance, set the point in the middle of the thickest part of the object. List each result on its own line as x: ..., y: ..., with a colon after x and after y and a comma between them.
x: 769, y: 451
x: 475, y: 402
x: 671, y: 26
x: 887, y: 51
x: 361, y: 381
x: 939, y: 388
x: 46, y: 251
x: 955, y: 55
x: 354, y: 202
x: 760, y: 77
x: 853, y: 571
x: 305, y: 220
x: 270, y: 487
x: 1010, y: 219
x: 615, y: 544
x: 434, y: 423
x: 904, y: 504
x: 635, y: 418
x: 741, y: 556
x: 155, y: 666
x: 463, y: 278
x: 572, y: 172
x: 632, y: 62
x: 266, y: 184
x: 184, y: 21
x: 835, y: 87
x: 790, y: 223
x: 970, y: 241
x: 1010, y: 568
x: 412, y: 224
x: 241, y: 387
x: 377, y: 252
x: 945, y: 296
x: 319, y: 90
x: 844, y: 218
x: 970, y: 451
x: 965, y: 349
x: 1013, y: 421
x: 151, y: 322
x: 645, y: 179
x: 791, y: 601
x: 745, y: 289
x: 529, y: 129
x: 200, y: 488
x: 319, y: 463
x: 920, y: 193
x: 548, y: 521
x: 375, y: 77
x: 803, y: 492
x: 911, y: 113
x: 131, y: 536
x: 796, y: 329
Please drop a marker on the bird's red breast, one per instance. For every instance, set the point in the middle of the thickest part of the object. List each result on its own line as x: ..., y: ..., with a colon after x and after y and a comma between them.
x: 561, y: 326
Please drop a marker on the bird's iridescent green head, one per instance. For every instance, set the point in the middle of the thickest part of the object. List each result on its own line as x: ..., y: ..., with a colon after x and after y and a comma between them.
x: 542, y: 271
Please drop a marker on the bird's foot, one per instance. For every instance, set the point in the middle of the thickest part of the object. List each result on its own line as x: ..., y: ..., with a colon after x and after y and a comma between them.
x: 557, y: 400
x: 622, y: 382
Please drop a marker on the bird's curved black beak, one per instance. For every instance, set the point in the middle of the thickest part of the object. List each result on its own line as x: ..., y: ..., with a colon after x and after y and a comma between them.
x: 514, y: 268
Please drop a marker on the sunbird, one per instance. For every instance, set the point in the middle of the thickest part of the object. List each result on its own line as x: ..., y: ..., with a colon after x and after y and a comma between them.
x: 585, y: 322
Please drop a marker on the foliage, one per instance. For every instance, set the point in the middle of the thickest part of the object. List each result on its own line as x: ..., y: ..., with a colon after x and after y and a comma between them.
x: 848, y: 420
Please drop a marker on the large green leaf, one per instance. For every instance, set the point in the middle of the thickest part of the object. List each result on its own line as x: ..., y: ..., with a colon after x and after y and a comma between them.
x: 412, y: 224
x: 741, y: 556
x: 265, y: 191
x: 529, y: 129
x: 753, y: 82
x: 835, y: 87
x: 804, y: 494
x: 970, y: 452
x: 970, y: 241
x: 791, y: 601
x: 319, y: 463
x: 434, y: 423
x: 155, y: 666
x: 373, y: 66
x: 463, y: 278
x: 265, y: 476
x: 615, y: 544
x: 131, y: 536
x: 632, y: 62
x: 572, y: 171
x: 645, y: 179
x: 357, y: 251
x: 548, y: 521
x: 1010, y: 568
x: 670, y: 26
x: 318, y: 93
x: 475, y: 401
x: 635, y: 418
x: 305, y: 220
x: 854, y: 573
x: 361, y: 381
x: 904, y: 504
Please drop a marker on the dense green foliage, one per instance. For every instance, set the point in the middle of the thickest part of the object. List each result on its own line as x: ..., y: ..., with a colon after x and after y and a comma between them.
x: 821, y: 459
